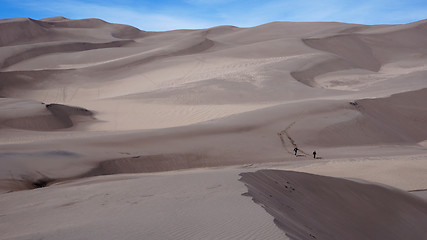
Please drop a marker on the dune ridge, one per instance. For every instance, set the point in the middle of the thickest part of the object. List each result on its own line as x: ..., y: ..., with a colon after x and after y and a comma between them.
x: 306, y: 208
x: 26, y: 30
x: 60, y: 48
x: 363, y: 49
x: 40, y: 116
x: 401, y: 120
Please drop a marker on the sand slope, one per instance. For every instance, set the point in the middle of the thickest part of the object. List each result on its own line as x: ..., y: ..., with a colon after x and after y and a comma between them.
x: 306, y: 208
x: 30, y: 115
x: 192, y: 205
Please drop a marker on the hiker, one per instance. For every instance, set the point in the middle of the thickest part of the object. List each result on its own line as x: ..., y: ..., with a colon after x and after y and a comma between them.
x: 295, y: 151
x: 314, y: 154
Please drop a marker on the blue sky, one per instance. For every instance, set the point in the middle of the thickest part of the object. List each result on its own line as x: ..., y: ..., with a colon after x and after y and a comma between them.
x: 189, y: 14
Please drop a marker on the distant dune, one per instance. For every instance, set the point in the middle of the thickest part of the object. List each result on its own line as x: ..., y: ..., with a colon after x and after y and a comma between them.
x: 82, y: 100
x: 228, y: 95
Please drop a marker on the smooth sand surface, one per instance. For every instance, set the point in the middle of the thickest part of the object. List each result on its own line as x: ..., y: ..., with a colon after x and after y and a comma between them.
x: 192, y: 205
x: 306, y: 208
x: 84, y: 103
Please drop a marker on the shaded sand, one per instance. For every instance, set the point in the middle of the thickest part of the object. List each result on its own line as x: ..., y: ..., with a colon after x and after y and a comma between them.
x: 36, y: 116
x: 310, y: 206
x: 420, y: 193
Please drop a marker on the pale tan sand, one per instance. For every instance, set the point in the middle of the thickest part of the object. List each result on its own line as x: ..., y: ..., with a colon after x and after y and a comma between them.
x: 403, y: 172
x: 189, y: 205
x: 134, y: 101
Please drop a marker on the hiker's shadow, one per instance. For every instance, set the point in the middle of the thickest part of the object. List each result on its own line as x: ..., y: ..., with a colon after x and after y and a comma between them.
x: 300, y: 155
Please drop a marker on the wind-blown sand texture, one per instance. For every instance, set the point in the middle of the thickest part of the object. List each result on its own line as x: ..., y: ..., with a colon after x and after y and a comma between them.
x: 85, y: 100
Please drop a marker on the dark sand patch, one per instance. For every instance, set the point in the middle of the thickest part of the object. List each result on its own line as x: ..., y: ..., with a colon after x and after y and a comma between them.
x: 309, y: 206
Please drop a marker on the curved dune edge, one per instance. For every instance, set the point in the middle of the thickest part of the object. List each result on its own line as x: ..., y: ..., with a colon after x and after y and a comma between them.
x: 44, y: 49
x: 360, y: 49
x: 135, y: 164
x: 150, y: 163
x: 308, y: 206
x: 47, y: 117
x: 26, y: 30
x: 399, y: 118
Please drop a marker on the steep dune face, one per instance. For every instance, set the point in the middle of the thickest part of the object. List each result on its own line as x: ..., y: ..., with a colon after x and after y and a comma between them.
x: 26, y: 38
x: 404, y: 114
x: 396, y: 119
x: 305, y: 206
x: 35, y: 116
x: 407, y: 42
x: 43, y: 49
x: 351, y: 48
x: 26, y: 30
x: 146, y: 164
x: 20, y: 31
x: 366, y: 49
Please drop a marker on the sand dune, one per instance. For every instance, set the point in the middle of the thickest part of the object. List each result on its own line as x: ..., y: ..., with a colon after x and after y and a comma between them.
x: 41, y: 49
x: 23, y: 31
x: 401, y: 120
x: 39, y: 116
x: 199, y: 205
x: 365, y: 50
x: 306, y: 208
x: 85, y: 102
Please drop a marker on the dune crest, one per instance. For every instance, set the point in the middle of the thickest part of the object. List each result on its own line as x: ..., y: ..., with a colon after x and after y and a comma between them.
x: 305, y: 206
x: 401, y: 120
x: 364, y: 48
x: 39, y: 116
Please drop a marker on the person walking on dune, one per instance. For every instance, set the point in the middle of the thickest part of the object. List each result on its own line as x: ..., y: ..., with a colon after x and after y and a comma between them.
x: 314, y: 154
x: 296, y: 151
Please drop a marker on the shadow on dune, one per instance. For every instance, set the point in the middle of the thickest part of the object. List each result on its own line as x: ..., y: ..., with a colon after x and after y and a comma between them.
x: 308, y: 206
x: 25, y: 183
x: 26, y: 30
x: 58, y: 117
x: 150, y: 163
x: 44, y: 49
x: 136, y: 164
x: 399, y: 118
x: 63, y: 113
x: 349, y: 51
x: 363, y: 50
